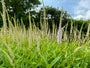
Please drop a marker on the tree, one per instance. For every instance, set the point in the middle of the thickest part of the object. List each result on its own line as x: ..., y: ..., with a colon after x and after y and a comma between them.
x: 19, y: 7
x: 53, y: 14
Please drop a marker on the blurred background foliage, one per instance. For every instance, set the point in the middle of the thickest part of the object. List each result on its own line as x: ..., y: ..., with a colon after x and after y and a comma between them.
x: 20, y: 9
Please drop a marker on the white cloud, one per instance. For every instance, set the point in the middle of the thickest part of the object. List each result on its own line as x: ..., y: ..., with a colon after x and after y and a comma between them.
x: 85, y: 4
x: 82, y: 10
x: 79, y: 17
x: 88, y: 14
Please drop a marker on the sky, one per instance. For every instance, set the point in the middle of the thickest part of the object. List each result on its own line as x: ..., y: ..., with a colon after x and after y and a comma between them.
x: 78, y: 9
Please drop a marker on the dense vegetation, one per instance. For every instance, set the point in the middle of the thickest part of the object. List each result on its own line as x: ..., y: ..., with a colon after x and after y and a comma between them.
x: 20, y: 9
x: 37, y: 47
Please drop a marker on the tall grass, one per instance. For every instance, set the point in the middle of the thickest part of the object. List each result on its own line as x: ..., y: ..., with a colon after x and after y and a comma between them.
x: 39, y: 48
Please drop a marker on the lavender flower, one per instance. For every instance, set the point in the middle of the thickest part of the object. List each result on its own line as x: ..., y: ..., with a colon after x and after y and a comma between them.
x: 59, y: 35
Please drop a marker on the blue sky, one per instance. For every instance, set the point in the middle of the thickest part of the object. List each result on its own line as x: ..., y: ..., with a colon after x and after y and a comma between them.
x: 79, y: 9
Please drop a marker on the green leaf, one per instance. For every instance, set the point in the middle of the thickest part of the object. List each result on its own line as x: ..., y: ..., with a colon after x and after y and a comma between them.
x: 54, y: 61
x: 34, y: 63
x: 2, y: 67
x: 78, y: 58
x: 44, y: 59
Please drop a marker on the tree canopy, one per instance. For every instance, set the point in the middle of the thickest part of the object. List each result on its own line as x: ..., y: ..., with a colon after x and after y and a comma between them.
x: 19, y: 7
x: 53, y: 15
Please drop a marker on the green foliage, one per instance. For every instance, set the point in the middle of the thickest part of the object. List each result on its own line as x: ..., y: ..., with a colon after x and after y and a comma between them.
x: 38, y: 48
x: 19, y: 7
x: 52, y: 55
x: 53, y: 16
x: 1, y: 23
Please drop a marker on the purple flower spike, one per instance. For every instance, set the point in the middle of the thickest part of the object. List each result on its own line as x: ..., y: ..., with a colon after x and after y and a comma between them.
x: 59, y: 35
